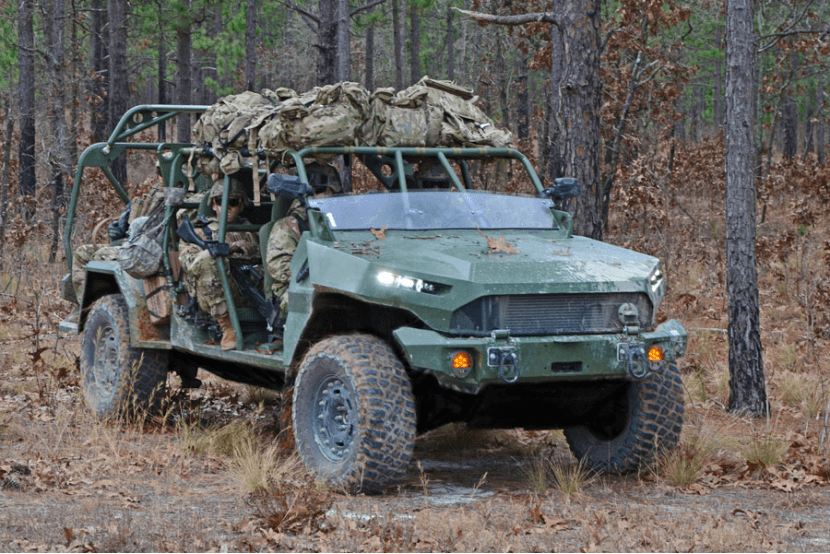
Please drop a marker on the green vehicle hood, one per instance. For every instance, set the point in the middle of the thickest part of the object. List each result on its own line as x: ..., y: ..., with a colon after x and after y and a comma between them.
x: 464, y: 267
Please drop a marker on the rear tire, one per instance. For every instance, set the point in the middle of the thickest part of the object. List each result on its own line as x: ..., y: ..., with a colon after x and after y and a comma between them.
x: 119, y: 380
x: 634, y: 427
x: 354, y: 413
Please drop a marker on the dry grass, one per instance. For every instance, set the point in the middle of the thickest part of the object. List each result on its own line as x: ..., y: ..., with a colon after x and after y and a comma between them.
x: 766, y: 451
x: 205, y: 476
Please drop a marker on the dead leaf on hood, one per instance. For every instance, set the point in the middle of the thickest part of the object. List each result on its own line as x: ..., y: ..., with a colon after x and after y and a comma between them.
x: 498, y: 245
x: 380, y: 234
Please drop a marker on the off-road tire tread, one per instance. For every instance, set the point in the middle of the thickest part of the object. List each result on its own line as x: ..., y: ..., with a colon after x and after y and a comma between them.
x: 386, y: 410
x: 656, y: 420
x: 143, y: 371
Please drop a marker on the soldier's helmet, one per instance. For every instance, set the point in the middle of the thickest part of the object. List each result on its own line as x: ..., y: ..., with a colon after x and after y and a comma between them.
x: 237, y: 190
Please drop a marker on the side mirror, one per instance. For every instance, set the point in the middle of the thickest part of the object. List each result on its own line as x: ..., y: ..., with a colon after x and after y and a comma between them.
x: 563, y: 188
x: 289, y: 186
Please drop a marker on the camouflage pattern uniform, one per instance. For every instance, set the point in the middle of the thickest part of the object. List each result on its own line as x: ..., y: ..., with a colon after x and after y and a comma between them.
x: 282, y: 242
x: 201, y: 272
x: 89, y: 253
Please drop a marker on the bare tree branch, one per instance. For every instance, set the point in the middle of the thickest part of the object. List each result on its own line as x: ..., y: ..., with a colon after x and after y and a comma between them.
x: 779, y: 36
x: 311, y: 20
x: 522, y: 19
x: 365, y: 7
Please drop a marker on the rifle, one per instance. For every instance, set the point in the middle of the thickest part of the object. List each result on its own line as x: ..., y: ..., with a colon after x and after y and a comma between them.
x: 267, y: 308
x: 187, y: 233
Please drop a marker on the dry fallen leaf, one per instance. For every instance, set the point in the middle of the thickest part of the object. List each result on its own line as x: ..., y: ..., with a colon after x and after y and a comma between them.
x: 498, y: 245
x: 380, y: 234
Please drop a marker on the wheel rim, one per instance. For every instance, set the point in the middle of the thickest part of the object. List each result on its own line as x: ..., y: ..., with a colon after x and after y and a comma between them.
x: 334, y: 418
x: 105, y: 364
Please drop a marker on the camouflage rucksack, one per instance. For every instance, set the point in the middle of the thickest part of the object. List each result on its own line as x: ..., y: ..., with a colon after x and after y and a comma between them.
x: 277, y: 134
x: 462, y: 122
x: 334, y: 119
x: 230, y: 125
x: 404, y: 118
x: 141, y: 255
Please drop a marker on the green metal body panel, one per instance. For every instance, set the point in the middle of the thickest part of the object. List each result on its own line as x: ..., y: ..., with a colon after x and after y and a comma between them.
x: 432, y: 351
x: 547, y: 263
x: 143, y: 333
x: 350, y: 265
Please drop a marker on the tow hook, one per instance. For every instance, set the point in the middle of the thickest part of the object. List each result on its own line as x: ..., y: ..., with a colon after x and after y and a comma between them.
x: 507, y: 362
x: 634, y: 354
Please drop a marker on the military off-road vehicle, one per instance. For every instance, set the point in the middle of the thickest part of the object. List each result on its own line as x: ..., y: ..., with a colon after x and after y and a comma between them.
x: 428, y: 298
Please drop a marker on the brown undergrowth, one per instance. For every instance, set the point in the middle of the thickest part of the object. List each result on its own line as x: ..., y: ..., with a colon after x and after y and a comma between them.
x: 205, y: 474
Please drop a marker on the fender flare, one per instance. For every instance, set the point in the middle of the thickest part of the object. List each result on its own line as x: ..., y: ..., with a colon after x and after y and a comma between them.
x: 104, y: 278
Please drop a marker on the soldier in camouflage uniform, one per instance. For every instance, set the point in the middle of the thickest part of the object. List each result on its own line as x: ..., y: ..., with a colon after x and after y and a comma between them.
x: 201, y: 272
x: 98, y: 253
x: 286, y: 232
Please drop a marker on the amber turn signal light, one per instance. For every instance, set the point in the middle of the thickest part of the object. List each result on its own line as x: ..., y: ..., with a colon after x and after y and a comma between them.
x: 462, y: 360
x: 655, y: 354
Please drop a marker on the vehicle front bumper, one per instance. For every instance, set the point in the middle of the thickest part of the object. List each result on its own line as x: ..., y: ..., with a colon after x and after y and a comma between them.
x: 501, y: 358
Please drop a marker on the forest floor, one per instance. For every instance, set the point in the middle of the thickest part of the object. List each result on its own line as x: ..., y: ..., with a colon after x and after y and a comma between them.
x: 71, y: 483
x: 182, y: 480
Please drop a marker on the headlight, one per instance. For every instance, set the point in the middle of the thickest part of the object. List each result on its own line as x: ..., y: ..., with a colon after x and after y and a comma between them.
x: 389, y: 279
x: 656, y: 279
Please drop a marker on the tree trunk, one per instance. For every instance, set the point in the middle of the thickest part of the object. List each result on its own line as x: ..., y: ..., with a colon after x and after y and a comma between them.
x: 808, y: 126
x: 399, y: 43
x: 4, y: 183
x: 343, y: 53
x: 789, y: 126
x: 370, y: 57
x: 463, y: 70
x: 450, y: 46
x: 119, y: 77
x: 59, y: 160
x: 414, y: 43
x: 747, y: 392
x: 162, y: 77
x: 503, y: 81
x: 183, y: 69
x: 26, y: 99
x: 250, y: 44
x: 76, y: 114
x: 554, y: 148
x: 99, y: 49
x: 326, y: 41
x: 286, y: 75
x: 523, y: 103
x: 579, y: 87
x: 692, y: 114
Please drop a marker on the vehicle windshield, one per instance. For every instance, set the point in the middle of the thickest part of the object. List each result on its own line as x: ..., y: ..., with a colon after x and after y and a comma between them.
x: 430, y: 210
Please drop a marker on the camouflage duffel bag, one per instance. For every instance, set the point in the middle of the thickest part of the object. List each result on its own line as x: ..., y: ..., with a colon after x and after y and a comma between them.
x: 230, y: 125
x: 405, y: 118
x: 324, y: 125
x: 462, y: 122
x: 140, y: 257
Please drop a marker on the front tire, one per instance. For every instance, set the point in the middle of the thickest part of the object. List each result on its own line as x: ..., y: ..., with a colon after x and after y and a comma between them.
x: 634, y: 427
x: 119, y: 380
x: 354, y: 413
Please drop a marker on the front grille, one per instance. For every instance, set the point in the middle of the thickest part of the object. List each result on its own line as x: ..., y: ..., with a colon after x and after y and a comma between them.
x: 550, y: 314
